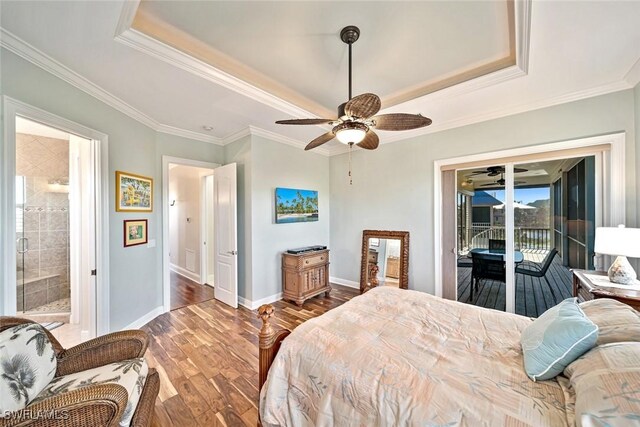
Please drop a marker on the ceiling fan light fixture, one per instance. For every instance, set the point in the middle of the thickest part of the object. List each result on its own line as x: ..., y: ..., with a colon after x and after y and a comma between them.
x: 350, y: 132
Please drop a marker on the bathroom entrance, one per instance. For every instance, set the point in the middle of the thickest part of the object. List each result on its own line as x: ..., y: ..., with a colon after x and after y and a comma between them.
x: 55, y: 229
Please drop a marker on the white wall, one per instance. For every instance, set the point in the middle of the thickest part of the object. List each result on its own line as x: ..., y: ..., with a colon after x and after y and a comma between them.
x: 184, y: 218
x: 135, y: 272
x: 393, y: 185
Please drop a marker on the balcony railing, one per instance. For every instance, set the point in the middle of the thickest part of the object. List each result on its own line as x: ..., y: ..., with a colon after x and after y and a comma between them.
x: 533, y: 238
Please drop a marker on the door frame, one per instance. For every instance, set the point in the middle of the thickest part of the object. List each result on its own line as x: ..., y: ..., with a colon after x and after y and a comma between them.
x: 613, y: 213
x: 166, y: 274
x: 206, y: 246
x: 99, y: 312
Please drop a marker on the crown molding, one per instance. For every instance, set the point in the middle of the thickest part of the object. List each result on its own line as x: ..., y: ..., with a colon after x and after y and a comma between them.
x: 633, y: 75
x: 26, y: 51
x: 38, y: 58
x: 387, y: 138
x: 272, y: 136
x: 197, y: 136
x: 157, y: 49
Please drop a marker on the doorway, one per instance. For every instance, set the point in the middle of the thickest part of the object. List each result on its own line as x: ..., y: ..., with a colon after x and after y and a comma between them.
x: 200, y: 228
x: 554, y: 218
x: 190, y: 234
x: 509, y: 231
x: 55, y: 171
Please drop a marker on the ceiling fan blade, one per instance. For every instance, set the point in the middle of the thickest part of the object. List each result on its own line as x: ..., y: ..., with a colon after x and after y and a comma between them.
x: 370, y: 141
x: 491, y: 184
x: 363, y: 106
x: 519, y: 170
x: 320, y: 140
x: 400, y: 121
x: 305, y: 121
x: 493, y: 174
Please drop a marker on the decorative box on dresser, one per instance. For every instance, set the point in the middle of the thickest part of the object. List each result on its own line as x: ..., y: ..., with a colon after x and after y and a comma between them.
x: 305, y: 275
x: 586, y: 290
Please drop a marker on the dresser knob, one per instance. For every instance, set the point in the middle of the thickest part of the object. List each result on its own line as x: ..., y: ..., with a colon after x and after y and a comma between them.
x: 306, y: 262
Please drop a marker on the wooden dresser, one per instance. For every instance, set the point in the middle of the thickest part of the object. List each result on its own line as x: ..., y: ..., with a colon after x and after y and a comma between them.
x: 586, y: 290
x: 305, y: 275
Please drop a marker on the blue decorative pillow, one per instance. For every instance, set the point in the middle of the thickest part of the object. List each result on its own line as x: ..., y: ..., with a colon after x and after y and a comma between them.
x: 555, y: 339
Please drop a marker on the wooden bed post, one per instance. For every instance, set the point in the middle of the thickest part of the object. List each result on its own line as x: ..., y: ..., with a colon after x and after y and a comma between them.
x: 269, y: 342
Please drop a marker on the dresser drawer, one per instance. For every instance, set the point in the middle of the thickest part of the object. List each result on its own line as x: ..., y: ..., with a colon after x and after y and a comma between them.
x: 311, y: 261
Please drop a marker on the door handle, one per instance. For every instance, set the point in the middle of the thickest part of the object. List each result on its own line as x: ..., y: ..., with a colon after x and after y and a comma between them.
x: 232, y: 252
x: 25, y: 244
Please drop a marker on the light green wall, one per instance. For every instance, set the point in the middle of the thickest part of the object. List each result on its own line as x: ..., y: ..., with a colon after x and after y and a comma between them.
x: 135, y: 273
x: 264, y: 165
x: 279, y: 165
x: 393, y: 185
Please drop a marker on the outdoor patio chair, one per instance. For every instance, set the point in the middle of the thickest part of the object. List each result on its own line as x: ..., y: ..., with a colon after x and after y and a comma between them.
x: 486, y: 266
x: 497, y: 245
x: 534, y: 269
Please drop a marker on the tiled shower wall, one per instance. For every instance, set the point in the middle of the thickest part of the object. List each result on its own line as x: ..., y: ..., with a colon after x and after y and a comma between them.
x: 44, y: 162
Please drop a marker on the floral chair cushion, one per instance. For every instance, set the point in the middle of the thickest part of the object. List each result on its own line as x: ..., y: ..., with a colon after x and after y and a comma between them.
x: 131, y: 374
x: 606, y: 382
x: 27, y: 364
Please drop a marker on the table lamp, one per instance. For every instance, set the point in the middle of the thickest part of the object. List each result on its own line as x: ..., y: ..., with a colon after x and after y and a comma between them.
x: 621, y: 242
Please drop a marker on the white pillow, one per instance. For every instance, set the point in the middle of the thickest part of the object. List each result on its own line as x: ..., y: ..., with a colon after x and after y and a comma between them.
x: 27, y: 364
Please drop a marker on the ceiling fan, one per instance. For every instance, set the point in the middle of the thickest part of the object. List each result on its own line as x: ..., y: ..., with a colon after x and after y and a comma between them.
x: 495, y: 171
x: 501, y: 182
x: 356, y: 117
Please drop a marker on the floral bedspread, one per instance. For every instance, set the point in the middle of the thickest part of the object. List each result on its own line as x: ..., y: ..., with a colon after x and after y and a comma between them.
x: 398, y: 357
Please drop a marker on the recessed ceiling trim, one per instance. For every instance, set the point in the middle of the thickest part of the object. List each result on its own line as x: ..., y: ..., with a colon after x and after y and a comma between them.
x: 144, y: 32
x: 176, y: 57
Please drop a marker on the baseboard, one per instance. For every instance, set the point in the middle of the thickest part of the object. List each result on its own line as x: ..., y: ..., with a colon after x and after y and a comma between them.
x: 185, y: 273
x: 344, y: 282
x: 252, y: 305
x: 137, y: 324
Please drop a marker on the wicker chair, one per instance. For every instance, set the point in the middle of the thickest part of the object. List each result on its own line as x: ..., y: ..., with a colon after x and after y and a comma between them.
x: 93, y: 405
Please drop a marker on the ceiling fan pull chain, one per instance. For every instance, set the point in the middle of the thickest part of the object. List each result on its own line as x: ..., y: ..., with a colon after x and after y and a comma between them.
x: 350, y: 177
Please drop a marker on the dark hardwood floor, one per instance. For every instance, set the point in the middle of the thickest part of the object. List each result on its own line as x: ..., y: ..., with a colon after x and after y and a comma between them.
x: 186, y: 292
x: 207, y: 358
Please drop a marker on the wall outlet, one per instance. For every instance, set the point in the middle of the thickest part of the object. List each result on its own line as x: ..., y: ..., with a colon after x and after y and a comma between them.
x: 151, y: 243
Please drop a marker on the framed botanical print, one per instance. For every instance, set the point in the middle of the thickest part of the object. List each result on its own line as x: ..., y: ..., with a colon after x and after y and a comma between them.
x: 134, y: 193
x: 135, y: 232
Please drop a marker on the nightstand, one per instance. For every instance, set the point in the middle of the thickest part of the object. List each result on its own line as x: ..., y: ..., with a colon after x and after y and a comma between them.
x: 585, y: 290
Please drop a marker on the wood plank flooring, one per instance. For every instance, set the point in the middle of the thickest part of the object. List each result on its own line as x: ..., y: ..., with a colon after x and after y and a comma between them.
x: 533, y: 296
x: 207, y: 358
x: 186, y: 292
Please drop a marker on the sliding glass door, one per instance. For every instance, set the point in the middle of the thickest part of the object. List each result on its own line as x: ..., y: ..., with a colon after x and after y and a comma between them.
x: 520, y: 228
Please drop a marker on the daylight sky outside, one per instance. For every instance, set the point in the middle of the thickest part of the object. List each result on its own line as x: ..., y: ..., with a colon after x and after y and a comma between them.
x: 523, y: 195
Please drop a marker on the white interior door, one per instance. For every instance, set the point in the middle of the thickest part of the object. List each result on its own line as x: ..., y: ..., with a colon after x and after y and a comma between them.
x: 226, y: 235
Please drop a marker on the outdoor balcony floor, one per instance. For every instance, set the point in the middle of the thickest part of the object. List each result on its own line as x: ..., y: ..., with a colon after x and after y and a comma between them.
x: 533, y: 296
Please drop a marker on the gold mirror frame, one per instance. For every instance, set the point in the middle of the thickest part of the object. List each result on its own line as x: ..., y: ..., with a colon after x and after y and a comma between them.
x: 403, y: 236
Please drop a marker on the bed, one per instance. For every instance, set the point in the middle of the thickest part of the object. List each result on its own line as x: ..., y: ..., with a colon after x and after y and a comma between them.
x: 402, y: 357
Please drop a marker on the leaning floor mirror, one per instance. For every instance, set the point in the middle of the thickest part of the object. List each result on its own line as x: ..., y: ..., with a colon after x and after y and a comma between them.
x: 385, y: 259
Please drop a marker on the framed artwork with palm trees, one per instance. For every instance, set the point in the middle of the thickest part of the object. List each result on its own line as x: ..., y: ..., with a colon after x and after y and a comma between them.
x: 295, y: 205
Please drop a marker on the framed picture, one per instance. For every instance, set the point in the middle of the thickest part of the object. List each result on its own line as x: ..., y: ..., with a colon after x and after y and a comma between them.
x: 293, y: 205
x: 135, y: 232
x: 134, y: 193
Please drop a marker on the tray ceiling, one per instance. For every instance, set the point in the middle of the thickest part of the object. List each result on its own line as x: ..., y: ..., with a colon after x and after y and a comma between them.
x: 293, y: 49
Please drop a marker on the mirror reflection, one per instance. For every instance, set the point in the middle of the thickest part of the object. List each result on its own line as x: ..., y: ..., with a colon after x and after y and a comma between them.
x: 383, y: 262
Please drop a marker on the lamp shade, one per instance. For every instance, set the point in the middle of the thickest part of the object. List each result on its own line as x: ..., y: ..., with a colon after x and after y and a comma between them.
x: 619, y: 241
